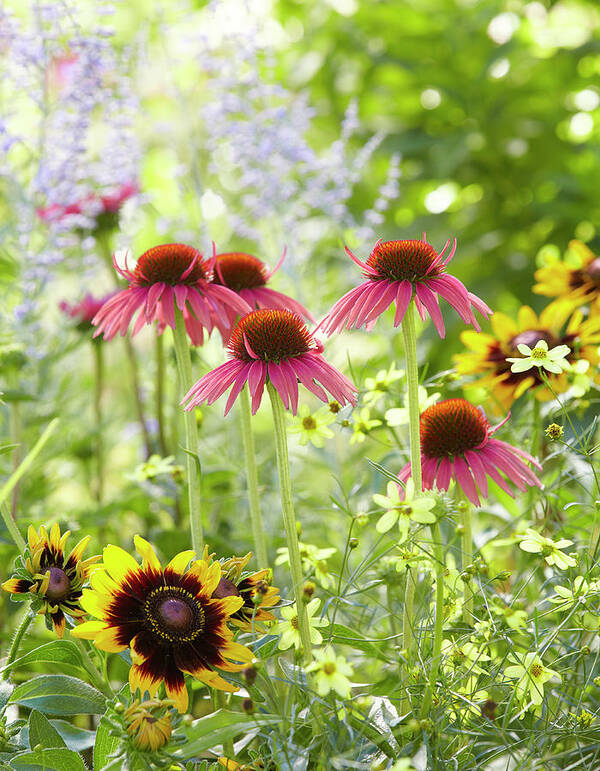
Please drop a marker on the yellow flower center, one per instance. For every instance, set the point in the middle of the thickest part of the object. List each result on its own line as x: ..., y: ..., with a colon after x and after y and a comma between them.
x: 294, y: 622
x: 539, y: 354
x: 536, y: 670
x: 329, y: 667
x: 309, y: 423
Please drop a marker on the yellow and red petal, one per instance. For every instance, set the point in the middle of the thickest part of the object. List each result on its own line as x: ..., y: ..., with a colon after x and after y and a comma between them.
x: 180, y: 561
x: 119, y: 563
x: 108, y: 640
x: 214, y: 680
x: 142, y: 647
x: 140, y: 677
x: 58, y: 622
x: 94, y: 603
x: 503, y: 326
x: 177, y: 691
x: 102, y: 583
x: 77, y: 552
x: 147, y: 553
x: 89, y: 629
x: 17, y: 585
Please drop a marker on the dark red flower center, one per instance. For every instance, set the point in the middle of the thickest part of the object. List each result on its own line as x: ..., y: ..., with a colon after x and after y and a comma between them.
x: 173, y: 614
x: 238, y: 271
x: 403, y: 260
x: 168, y: 263
x: 225, y: 588
x: 451, y: 428
x: 532, y: 336
x: 271, y: 335
x: 58, y: 584
x: 593, y: 271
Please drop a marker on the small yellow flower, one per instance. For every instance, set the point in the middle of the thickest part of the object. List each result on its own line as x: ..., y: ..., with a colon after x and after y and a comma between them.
x: 312, y: 426
x: 380, y: 385
x: 331, y: 673
x: 552, y: 359
x: 363, y: 425
x: 313, y: 560
x: 531, y: 675
x: 289, y: 631
x: 403, y: 509
x: 398, y: 416
x: 466, y: 656
x: 550, y: 550
x: 554, y: 431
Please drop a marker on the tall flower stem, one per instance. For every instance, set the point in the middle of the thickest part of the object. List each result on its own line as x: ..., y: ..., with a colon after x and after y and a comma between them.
x: 408, y: 620
x: 184, y: 369
x: 252, y: 479
x: 409, y: 334
x: 15, y: 436
x: 11, y: 526
x: 98, y: 347
x: 137, y: 394
x: 289, y: 518
x: 19, y: 634
x: 465, y: 509
x: 160, y: 394
x: 438, y: 557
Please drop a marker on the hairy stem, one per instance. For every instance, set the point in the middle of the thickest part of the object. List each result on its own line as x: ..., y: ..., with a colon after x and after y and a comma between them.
x: 19, y: 634
x: 289, y: 518
x: 184, y: 368
x: 252, y: 479
x: 438, y: 634
x: 467, y: 557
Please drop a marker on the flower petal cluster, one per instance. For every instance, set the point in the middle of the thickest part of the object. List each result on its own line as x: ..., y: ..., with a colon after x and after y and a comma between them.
x: 52, y: 580
x: 531, y: 676
x: 576, y: 281
x: 289, y: 631
x: 379, y: 385
x: 165, y: 277
x: 362, y: 425
x: 331, y: 672
x: 272, y: 344
x: 457, y: 443
x: 85, y: 310
x: 398, y: 271
x: 535, y: 543
x: 168, y: 619
x: 248, y: 276
x: 313, y: 426
x: 488, y: 355
x: 402, y: 507
x: 542, y: 357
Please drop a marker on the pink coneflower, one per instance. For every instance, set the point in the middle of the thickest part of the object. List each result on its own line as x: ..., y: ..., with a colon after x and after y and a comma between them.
x: 94, y: 205
x: 85, y: 310
x: 164, y: 276
x: 401, y: 270
x: 456, y: 444
x: 248, y: 276
x: 275, y: 344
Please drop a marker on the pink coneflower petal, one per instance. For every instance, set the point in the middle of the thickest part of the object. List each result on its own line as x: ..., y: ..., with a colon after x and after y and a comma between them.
x: 408, y: 269
x: 165, y: 276
x: 456, y: 442
x: 272, y: 343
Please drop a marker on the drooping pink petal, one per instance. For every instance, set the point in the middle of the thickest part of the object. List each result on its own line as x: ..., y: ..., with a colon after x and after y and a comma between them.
x: 279, y: 383
x: 478, y: 471
x: 403, y: 297
x: 465, y: 480
x: 430, y: 301
x: 292, y: 383
x: 238, y: 384
x: 256, y: 383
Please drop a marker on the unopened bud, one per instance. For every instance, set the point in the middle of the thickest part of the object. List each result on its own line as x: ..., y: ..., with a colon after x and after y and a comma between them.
x: 248, y: 705
x: 504, y: 575
x: 554, y: 431
x: 250, y: 674
x: 353, y: 543
x: 308, y: 590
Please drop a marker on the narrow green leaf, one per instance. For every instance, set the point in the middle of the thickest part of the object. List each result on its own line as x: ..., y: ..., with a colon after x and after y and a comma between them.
x: 56, y: 759
x: 59, y: 695
x: 221, y: 726
x: 41, y: 732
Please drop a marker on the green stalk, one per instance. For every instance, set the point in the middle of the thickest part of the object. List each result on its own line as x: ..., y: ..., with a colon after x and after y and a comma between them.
x: 160, y: 394
x: 184, y: 369
x: 409, y: 334
x: 98, y: 347
x: 252, y: 479
x: 407, y: 625
x: 289, y: 519
x: 19, y: 634
x: 11, y: 526
x: 137, y: 396
x: 464, y: 508
x: 15, y: 436
x: 97, y: 679
x: 438, y: 556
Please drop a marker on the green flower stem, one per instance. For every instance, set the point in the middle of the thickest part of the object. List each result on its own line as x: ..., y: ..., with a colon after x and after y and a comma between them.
x: 407, y: 629
x: 438, y: 634
x: 137, y: 396
x: 412, y: 376
x: 15, y: 437
x: 252, y: 479
x: 19, y: 634
x: 184, y: 368
x: 409, y: 334
x: 98, y: 347
x: 98, y: 681
x: 11, y: 526
x: 467, y: 556
x: 289, y: 519
x: 160, y: 394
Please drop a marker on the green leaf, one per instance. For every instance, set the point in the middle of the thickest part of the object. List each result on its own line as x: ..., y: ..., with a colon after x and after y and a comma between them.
x: 6, y: 689
x: 59, y: 695
x: 219, y: 727
x: 41, y: 732
x: 56, y: 759
x: 56, y: 652
x: 76, y: 739
x: 105, y: 744
x: 343, y: 635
